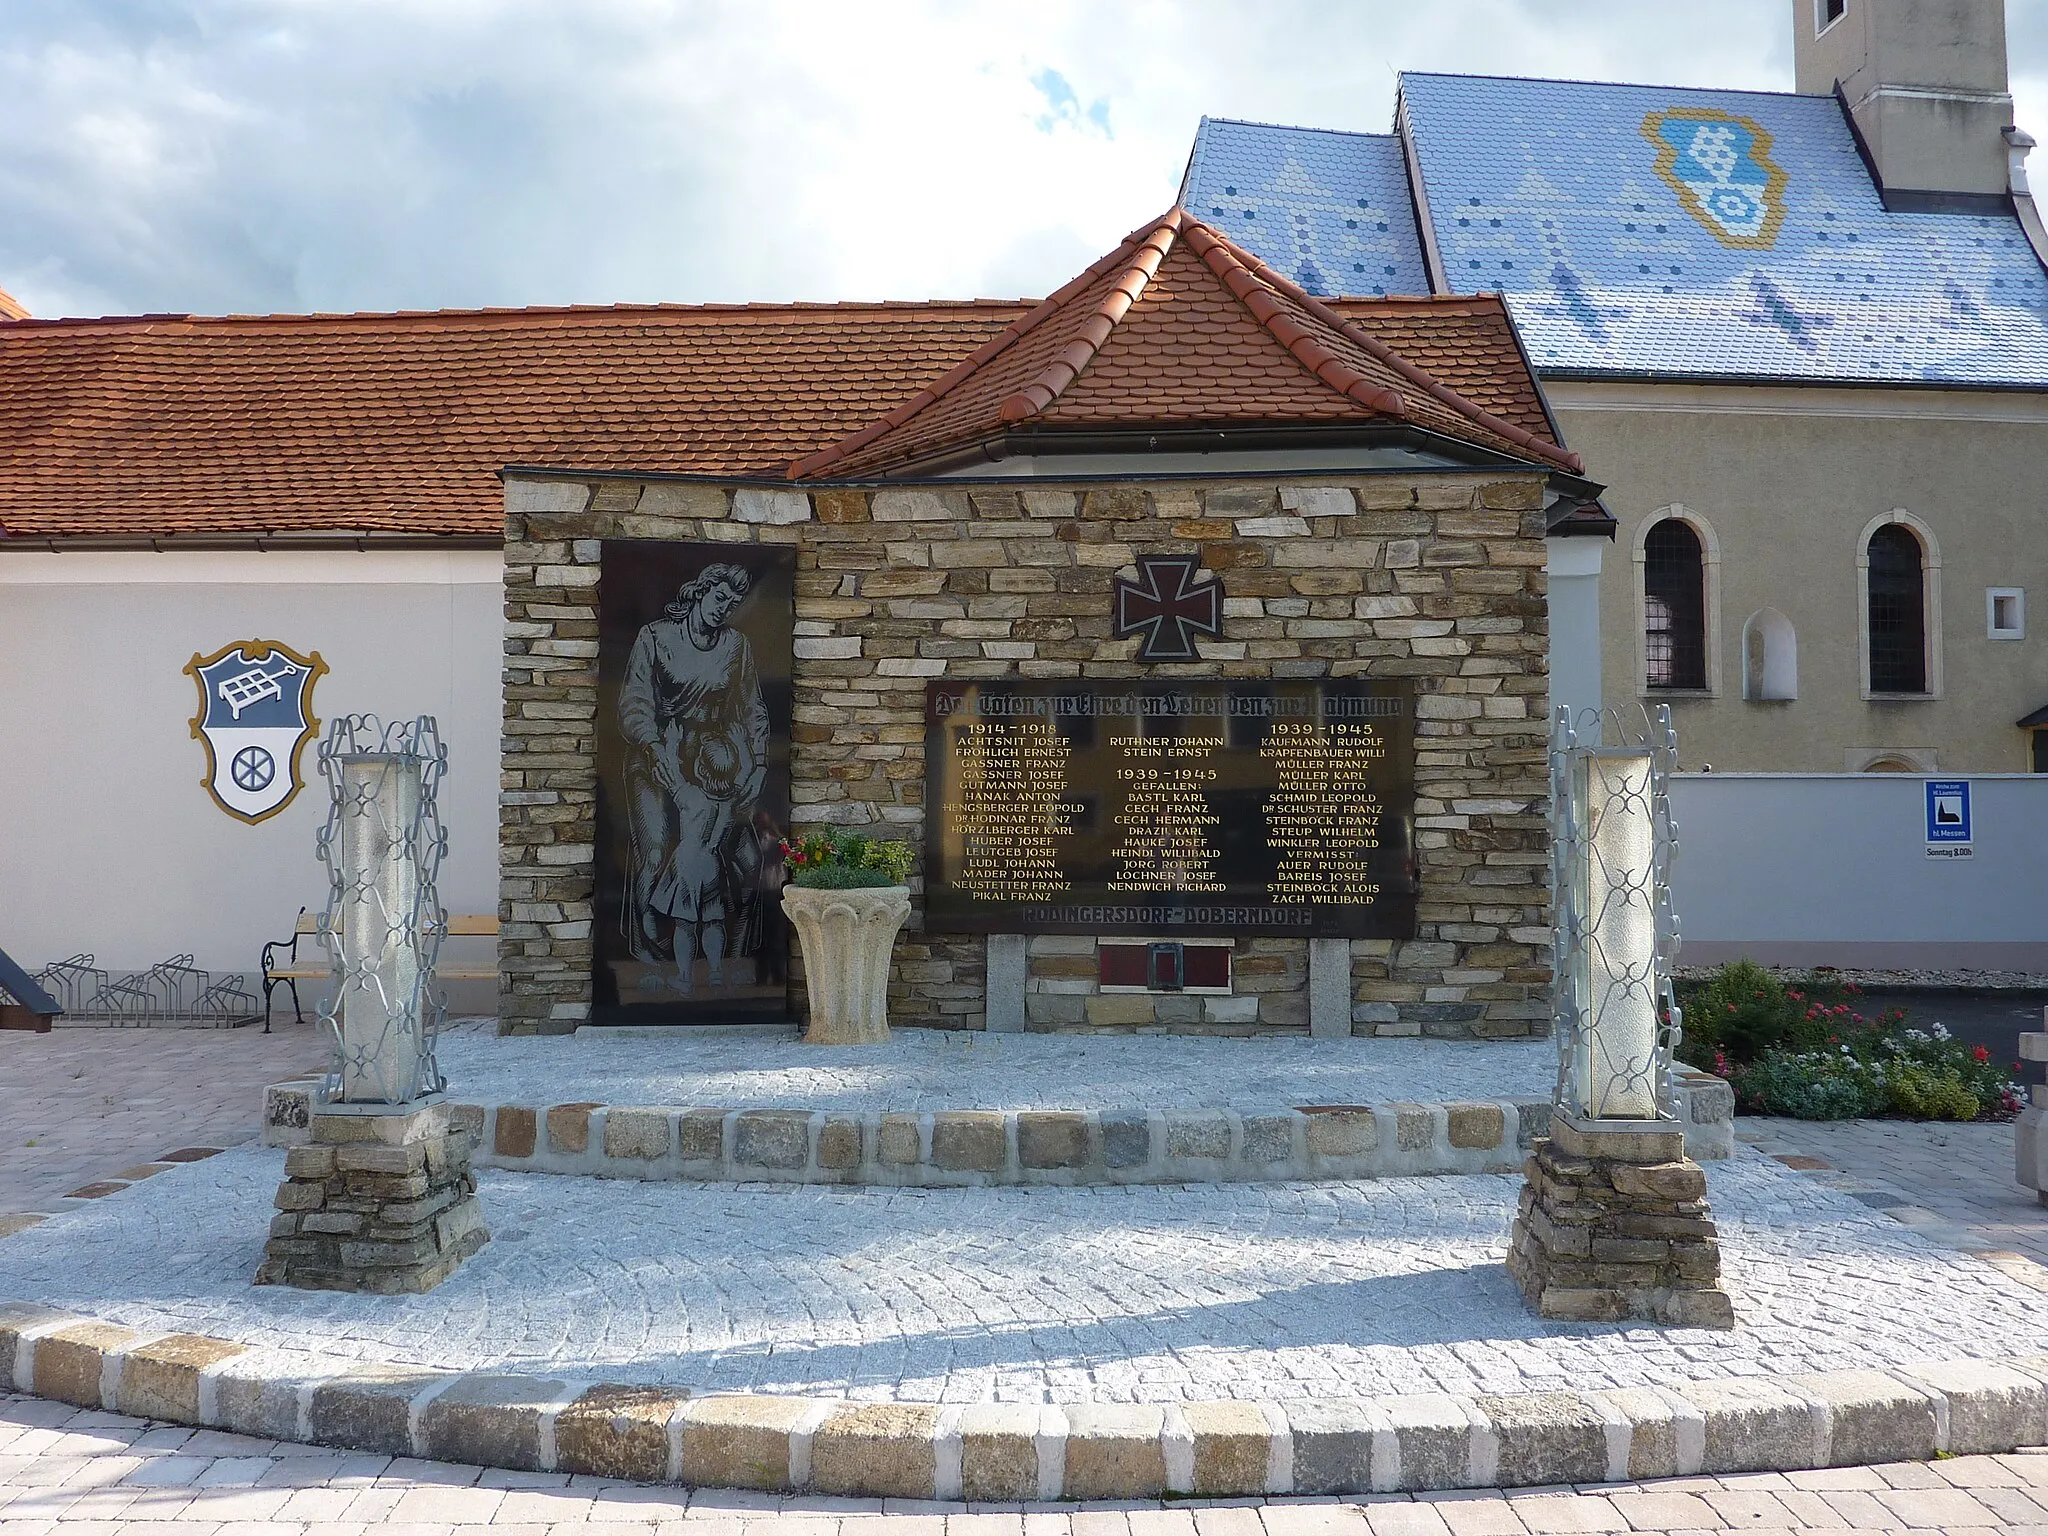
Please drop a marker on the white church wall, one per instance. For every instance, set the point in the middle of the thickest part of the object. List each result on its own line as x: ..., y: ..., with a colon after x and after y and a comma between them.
x: 109, y: 843
x: 1832, y: 869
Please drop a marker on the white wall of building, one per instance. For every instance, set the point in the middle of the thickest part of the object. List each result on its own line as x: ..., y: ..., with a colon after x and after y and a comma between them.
x: 1832, y: 869
x: 110, y: 845
x: 1573, y: 566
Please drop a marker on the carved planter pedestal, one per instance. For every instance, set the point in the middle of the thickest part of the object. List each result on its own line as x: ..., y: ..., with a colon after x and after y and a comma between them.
x: 1614, y: 1224
x: 847, y: 937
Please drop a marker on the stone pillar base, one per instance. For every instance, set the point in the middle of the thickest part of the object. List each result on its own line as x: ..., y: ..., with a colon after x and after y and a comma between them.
x: 1614, y: 1224
x: 2030, y: 1136
x: 379, y: 1199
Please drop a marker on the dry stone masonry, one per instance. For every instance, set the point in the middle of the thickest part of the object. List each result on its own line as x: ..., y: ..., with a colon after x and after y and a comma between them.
x: 1436, y: 578
x: 1613, y: 1224
x: 380, y: 1202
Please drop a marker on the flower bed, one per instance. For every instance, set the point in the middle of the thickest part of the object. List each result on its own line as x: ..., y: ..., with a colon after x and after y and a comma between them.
x: 1803, y: 1048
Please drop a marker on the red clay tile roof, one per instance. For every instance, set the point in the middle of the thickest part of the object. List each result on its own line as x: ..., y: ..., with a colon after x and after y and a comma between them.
x: 1178, y: 325
x: 1467, y: 341
x: 10, y: 307
x: 400, y: 423
x: 162, y: 425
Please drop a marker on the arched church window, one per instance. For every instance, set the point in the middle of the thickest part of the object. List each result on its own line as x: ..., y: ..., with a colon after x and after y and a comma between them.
x: 1898, y: 611
x: 1674, y: 607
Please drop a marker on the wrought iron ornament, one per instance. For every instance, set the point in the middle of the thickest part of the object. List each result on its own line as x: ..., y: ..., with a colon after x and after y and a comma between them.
x: 1615, y: 935
x: 383, y: 845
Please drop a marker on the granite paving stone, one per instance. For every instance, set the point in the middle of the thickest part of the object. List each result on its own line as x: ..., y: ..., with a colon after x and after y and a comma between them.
x: 919, y: 1070
x: 1963, y: 1173
x: 1103, y: 1293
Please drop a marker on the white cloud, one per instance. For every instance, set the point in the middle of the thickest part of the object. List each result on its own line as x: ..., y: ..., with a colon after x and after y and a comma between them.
x: 236, y: 155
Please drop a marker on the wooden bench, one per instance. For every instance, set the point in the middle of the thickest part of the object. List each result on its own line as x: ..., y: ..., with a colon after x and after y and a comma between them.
x: 282, y: 966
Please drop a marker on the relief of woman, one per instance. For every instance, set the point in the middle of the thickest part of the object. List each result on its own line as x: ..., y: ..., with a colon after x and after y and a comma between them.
x: 696, y: 733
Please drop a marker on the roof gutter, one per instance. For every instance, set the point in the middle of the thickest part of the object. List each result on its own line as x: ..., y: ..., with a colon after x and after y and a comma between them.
x: 1775, y: 381
x: 1204, y: 439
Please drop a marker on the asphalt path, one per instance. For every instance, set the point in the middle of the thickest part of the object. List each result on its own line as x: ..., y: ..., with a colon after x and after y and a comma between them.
x: 1994, y: 1020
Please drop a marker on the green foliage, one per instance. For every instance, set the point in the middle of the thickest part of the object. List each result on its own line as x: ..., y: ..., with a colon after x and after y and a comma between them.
x: 1745, y: 1010
x: 1928, y: 1093
x: 1812, y: 1085
x: 1801, y: 1047
x: 842, y: 861
x: 843, y: 877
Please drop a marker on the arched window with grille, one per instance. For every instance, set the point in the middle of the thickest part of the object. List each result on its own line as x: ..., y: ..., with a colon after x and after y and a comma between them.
x: 1897, y: 598
x: 1674, y: 607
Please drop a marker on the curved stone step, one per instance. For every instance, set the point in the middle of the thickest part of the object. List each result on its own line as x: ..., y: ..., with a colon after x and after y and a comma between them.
x: 1008, y: 1452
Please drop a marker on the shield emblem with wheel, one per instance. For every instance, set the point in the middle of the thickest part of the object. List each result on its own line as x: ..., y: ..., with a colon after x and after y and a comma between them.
x: 255, y: 718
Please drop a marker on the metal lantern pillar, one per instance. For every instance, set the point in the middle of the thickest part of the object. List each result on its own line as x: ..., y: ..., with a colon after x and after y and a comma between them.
x: 1613, y: 1221
x: 382, y: 845
x: 1615, y: 935
x: 380, y: 1198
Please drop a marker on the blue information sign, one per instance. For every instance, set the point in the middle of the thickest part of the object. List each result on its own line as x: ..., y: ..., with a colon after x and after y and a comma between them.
x: 1948, y: 813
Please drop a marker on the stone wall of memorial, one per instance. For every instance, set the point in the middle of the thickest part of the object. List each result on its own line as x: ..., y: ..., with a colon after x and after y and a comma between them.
x: 1434, y: 583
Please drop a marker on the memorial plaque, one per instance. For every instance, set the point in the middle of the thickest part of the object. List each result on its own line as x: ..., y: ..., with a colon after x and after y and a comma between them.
x: 1243, y: 808
x: 693, y: 709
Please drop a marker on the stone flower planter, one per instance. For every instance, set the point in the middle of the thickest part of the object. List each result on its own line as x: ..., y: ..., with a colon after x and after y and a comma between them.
x: 846, y: 938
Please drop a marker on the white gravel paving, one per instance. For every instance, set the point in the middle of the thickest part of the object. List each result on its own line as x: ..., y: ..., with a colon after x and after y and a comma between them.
x: 922, y: 1069
x: 1264, y: 1291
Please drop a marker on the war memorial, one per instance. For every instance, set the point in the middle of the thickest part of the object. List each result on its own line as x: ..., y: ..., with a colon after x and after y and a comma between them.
x: 1003, y: 903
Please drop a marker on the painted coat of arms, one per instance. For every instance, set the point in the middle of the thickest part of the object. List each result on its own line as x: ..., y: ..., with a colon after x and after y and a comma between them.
x: 1720, y: 166
x: 255, y: 718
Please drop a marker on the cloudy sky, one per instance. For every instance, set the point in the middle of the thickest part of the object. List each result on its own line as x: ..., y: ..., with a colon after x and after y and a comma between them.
x: 284, y: 155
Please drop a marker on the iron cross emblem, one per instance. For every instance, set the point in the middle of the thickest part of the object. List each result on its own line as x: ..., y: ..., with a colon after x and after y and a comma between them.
x: 1168, y: 607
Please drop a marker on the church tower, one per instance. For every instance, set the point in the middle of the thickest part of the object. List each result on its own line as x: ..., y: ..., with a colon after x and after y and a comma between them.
x: 1925, y: 83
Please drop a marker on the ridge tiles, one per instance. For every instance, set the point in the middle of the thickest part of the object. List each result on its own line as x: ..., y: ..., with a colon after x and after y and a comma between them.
x: 1177, y: 324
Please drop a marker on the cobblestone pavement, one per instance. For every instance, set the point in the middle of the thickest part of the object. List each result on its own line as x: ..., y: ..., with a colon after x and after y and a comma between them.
x: 80, y: 1105
x: 1113, y: 1293
x: 1956, y: 1182
x: 921, y: 1069
x: 64, y: 1472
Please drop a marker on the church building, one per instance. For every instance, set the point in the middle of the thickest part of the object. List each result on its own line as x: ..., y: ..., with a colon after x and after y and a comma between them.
x: 1804, y: 335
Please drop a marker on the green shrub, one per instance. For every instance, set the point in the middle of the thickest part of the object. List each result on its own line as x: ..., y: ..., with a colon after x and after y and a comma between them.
x: 843, y: 861
x: 1929, y: 1093
x: 1743, y: 1011
x: 1812, y: 1085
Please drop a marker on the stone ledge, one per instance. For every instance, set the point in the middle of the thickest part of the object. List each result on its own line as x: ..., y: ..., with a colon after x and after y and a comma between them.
x: 1083, y: 1451
x: 965, y: 1147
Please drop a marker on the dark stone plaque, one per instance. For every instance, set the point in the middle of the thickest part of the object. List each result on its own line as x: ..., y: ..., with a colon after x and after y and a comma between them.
x: 693, y: 702
x: 1247, y: 808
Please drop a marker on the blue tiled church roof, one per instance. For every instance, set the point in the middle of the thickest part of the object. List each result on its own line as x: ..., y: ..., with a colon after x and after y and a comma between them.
x: 1331, y: 210
x: 1651, y: 231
